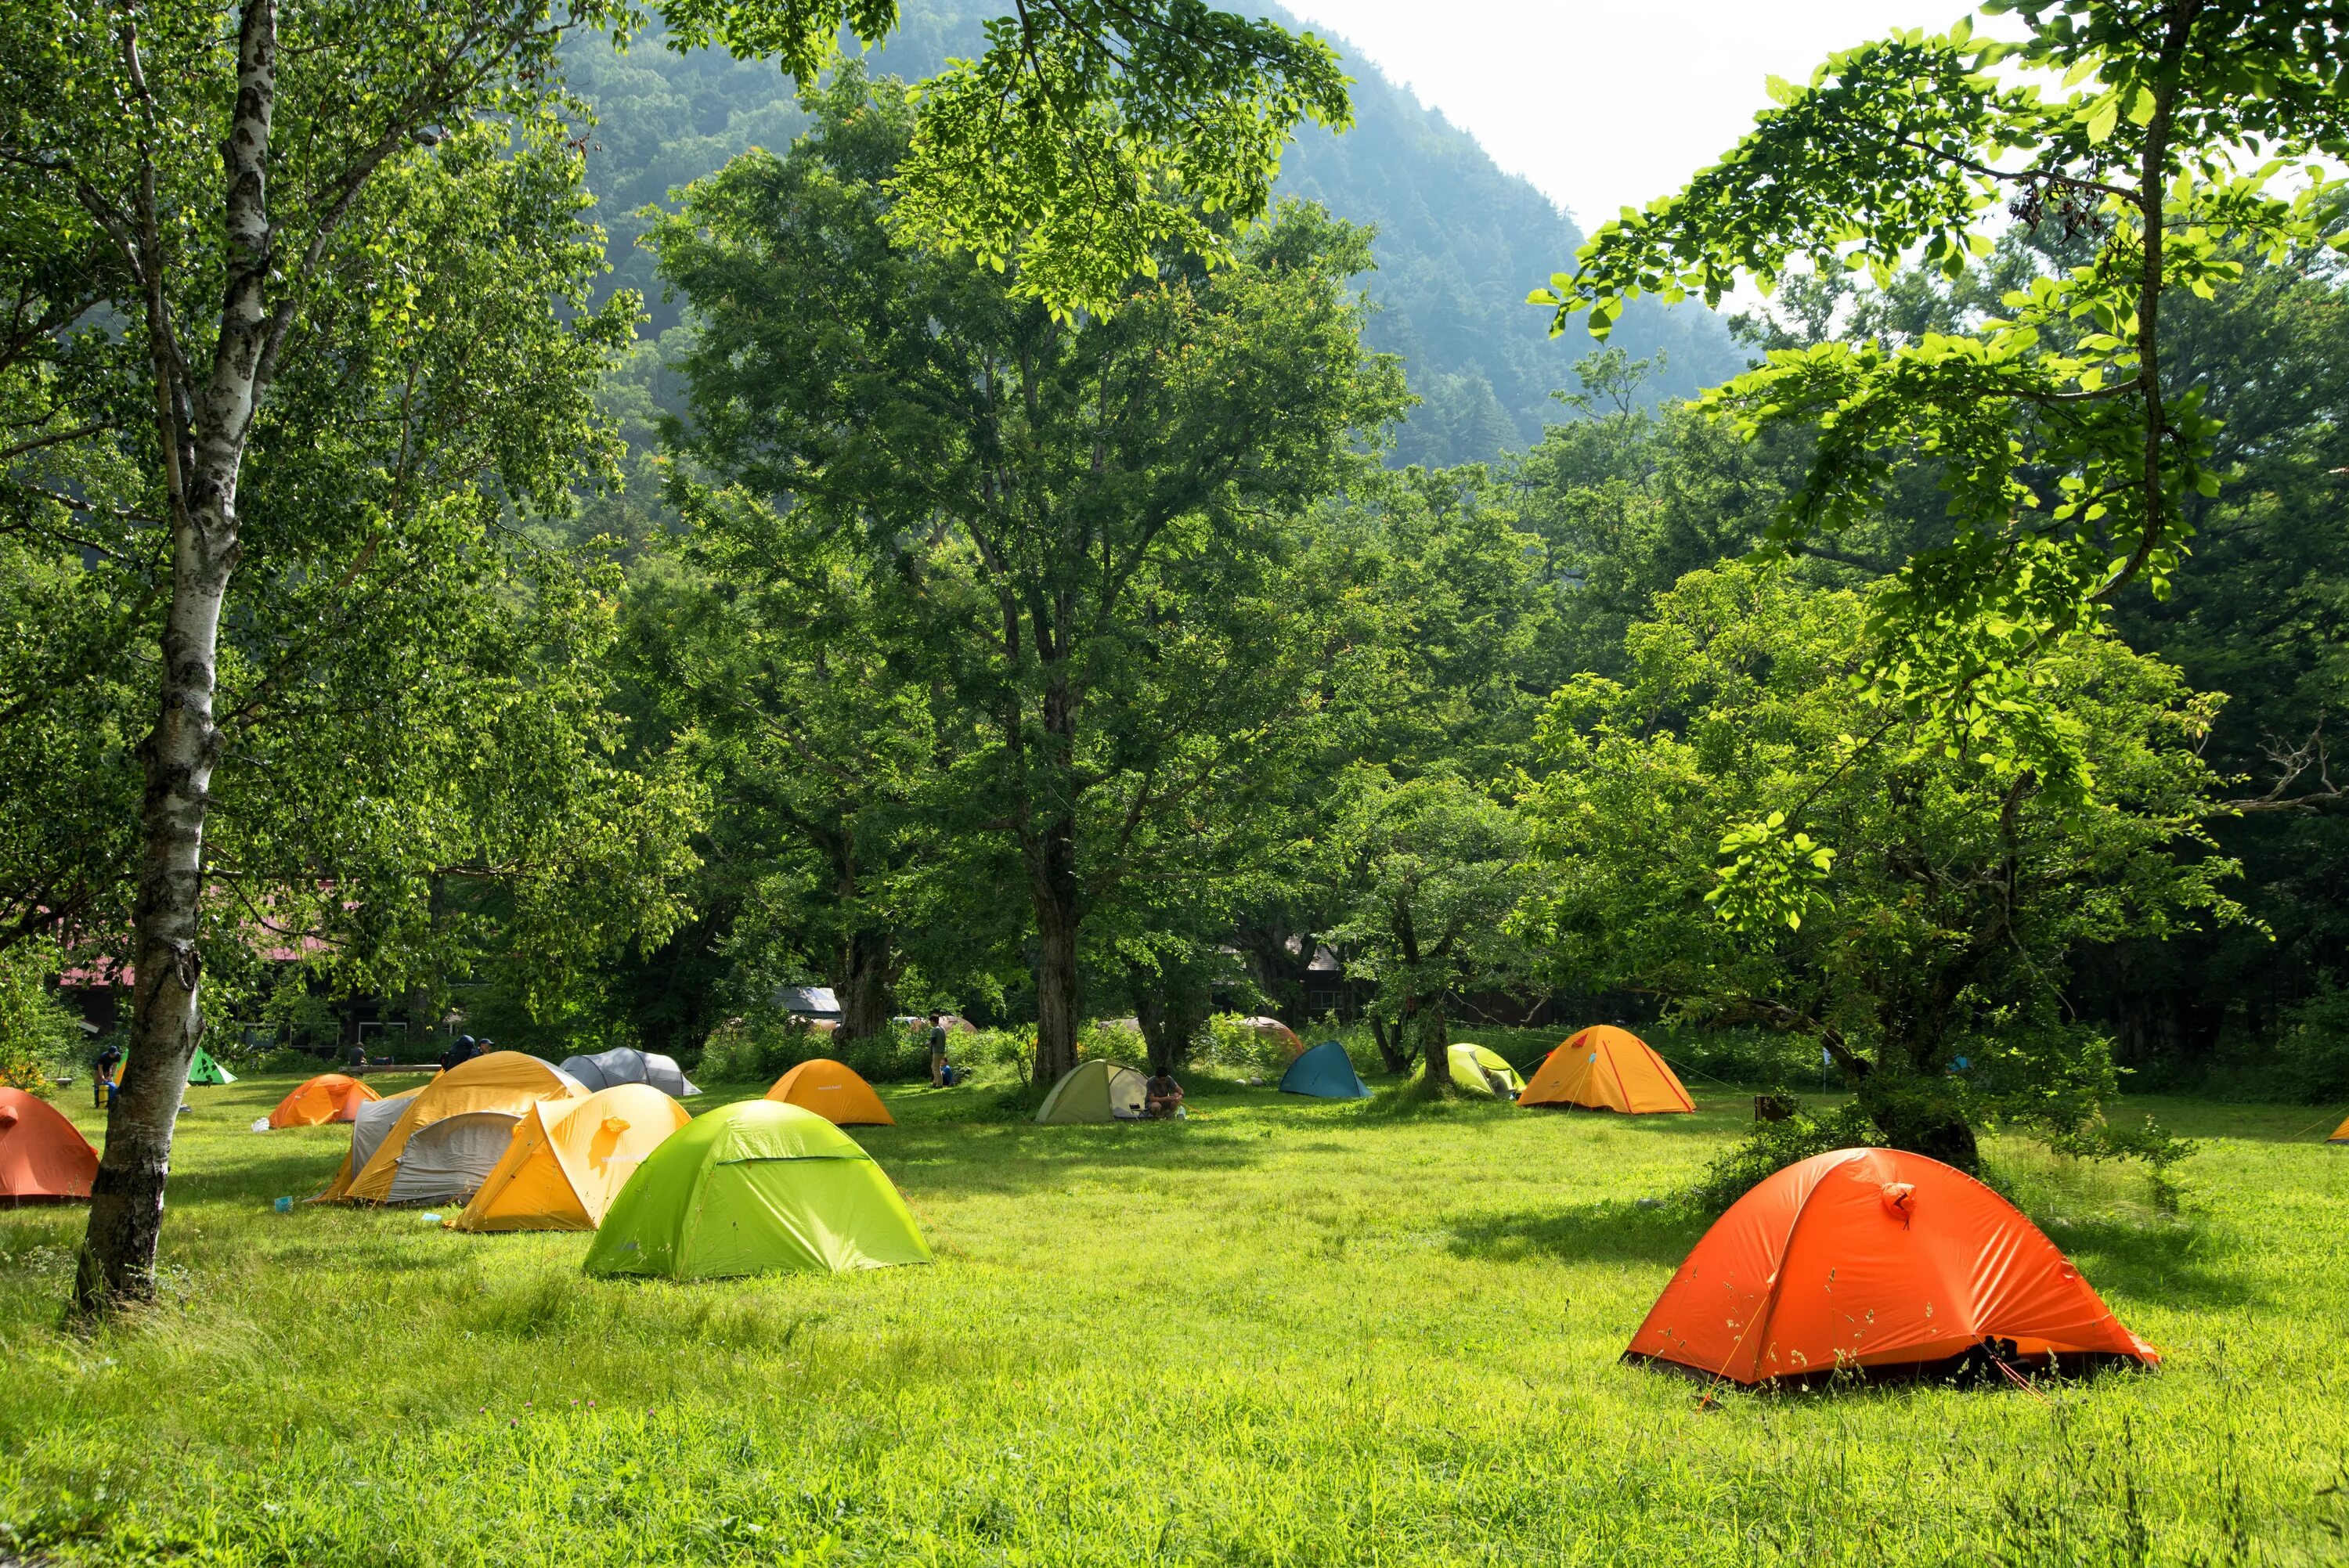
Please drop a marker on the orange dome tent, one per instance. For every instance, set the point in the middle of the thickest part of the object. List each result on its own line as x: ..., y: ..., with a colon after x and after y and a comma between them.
x: 2340, y: 1133
x: 1606, y: 1068
x: 1879, y: 1258
x: 464, y: 1116
x: 570, y: 1157
x: 1274, y: 1030
x: 833, y: 1090
x: 329, y: 1097
x: 42, y: 1155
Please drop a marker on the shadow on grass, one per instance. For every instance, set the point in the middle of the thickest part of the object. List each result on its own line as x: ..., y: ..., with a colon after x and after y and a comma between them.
x: 2183, y: 1262
x: 1609, y: 1233
x: 1017, y: 1159
x: 294, y: 1172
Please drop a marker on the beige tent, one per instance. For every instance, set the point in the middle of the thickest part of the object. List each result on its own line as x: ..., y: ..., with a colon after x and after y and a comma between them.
x: 1097, y: 1090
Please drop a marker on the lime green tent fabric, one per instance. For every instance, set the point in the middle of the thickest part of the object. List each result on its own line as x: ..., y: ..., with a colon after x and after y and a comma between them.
x: 758, y: 1187
x: 1097, y: 1090
x: 1469, y: 1063
x: 202, y: 1068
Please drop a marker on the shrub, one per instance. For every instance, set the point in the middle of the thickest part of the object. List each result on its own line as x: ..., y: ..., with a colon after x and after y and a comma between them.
x: 764, y: 1047
x: 2313, y: 1052
x: 40, y: 1036
x: 1227, y: 1041
x: 1006, y: 1053
x: 1773, y: 1146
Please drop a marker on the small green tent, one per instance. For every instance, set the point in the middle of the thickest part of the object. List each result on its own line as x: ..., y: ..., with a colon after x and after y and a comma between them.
x: 202, y: 1068
x: 757, y: 1187
x: 1472, y: 1063
x: 1097, y: 1090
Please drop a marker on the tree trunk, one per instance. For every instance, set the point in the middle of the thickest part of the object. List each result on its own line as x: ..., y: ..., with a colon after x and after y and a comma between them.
x: 1056, y: 960
x: 869, y: 969
x: 1170, y: 1012
x: 1393, y: 1049
x: 126, y: 1210
x: 1435, y: 1048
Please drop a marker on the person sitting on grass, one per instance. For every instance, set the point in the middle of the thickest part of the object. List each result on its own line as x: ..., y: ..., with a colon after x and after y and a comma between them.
x: 1162, y: 1097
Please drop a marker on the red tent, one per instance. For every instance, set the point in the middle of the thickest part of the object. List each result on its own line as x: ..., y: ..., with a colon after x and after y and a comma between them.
x: 42, y: 1155
x: 1875, y: 1258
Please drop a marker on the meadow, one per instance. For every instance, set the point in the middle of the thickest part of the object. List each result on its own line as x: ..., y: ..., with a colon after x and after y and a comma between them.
x: 1284, y: 1332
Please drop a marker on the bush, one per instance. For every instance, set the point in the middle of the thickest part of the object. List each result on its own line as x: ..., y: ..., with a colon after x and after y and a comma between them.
x: 1005, y: 1053
x: 40, y: 1036
x: 763, y: 1048
x: 1227, y: 1041
x: 1773, y: 1146
x: 2313, y: 1052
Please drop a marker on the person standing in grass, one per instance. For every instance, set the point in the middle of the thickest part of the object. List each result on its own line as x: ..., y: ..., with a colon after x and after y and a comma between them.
x: 110, y: 1060
x: 937, y: 1050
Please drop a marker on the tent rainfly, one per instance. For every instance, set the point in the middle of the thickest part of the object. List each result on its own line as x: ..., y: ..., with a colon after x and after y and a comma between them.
x: 445, y: 1138
x: 1325, y: 1072
x: 833, y: 1091
x: 329, y: 1097
x: 1606, y: 1068
x: 625, y: 1064
x: 1097, y: 1090
x: 202, y: 1068
x: 1880, y: 1261
x: 568, y: 1159
x: 1273, y: 1029
x: 756, y: 1186
x: 1482, y: 1071
x: 42, y: 1154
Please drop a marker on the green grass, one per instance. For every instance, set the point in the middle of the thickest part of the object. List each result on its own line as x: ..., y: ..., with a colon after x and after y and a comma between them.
x: 1282, y: 1332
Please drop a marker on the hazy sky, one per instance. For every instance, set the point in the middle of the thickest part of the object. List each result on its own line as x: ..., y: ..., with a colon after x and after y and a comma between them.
x: 1606, y: 105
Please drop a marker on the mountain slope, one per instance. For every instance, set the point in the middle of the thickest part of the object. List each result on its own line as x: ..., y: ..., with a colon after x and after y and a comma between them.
x: 1459, y: 241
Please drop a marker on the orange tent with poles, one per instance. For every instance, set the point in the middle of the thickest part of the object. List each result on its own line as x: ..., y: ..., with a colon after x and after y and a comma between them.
x: 833, y: 1090
x: 570, y: 1157
x: 1606, y: 1068
x: 1876, y: 1260
x: 329, y: 1097
x: 474, y: 1104
x: 42, y: 1155
x: 2340, y: 1133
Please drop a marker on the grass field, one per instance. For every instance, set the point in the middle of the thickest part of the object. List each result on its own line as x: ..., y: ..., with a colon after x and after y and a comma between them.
x: 1282, y: 1332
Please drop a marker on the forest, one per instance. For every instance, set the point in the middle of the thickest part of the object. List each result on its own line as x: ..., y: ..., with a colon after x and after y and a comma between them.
x: 583, y: 526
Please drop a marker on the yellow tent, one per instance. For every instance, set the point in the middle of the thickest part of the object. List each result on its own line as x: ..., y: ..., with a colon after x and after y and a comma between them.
x: 1606, y: 1068
x: 1482, y: 1071
x: 569, y: 1158
x: 461, y: 1108
x: 833, y: 1091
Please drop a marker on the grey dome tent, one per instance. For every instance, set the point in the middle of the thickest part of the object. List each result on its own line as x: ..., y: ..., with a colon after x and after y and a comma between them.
x: 624, y: 1064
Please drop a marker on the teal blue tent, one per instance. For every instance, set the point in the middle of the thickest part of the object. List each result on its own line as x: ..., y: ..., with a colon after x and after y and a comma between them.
x: 1325, y: 1073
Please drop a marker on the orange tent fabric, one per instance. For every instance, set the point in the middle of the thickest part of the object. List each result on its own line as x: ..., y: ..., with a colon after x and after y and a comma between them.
x: 329, y: 1097
x: 2340, y: 1133
x: 1606, y: 1068
x: 1873, y: 1258
x: 1274, y: 1030
x: 833, y: 1090
x: 42, y: 1155
x: 505, y: 1083
x: 569, y: 1158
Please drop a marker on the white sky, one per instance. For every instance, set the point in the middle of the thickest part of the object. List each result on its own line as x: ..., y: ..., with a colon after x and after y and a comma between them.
x: 1605, y: 106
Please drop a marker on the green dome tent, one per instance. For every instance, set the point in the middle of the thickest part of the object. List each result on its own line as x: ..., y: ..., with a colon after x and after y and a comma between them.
x: 757, y: 1187
x: 1097, y: 1090
x: 202, y: 1068
x: 1325, y: 1072
x: 1475, y: 1070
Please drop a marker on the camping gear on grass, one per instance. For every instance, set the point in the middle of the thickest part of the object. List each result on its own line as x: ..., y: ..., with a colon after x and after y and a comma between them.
x: 42, y: 1154
x: 1880, y: 1260
x: 482, y: 1097
x: 1325, y: 1072
x: 329, y: 1097
x: 833, y: 1091
x: 202, y: 1068
x: 756, y: 1186
x: 1470, y: 1063
x: 1097, y: 1090
x: 568, y: 1158
x: 1606, y: 1068
x: 625, y: 1064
